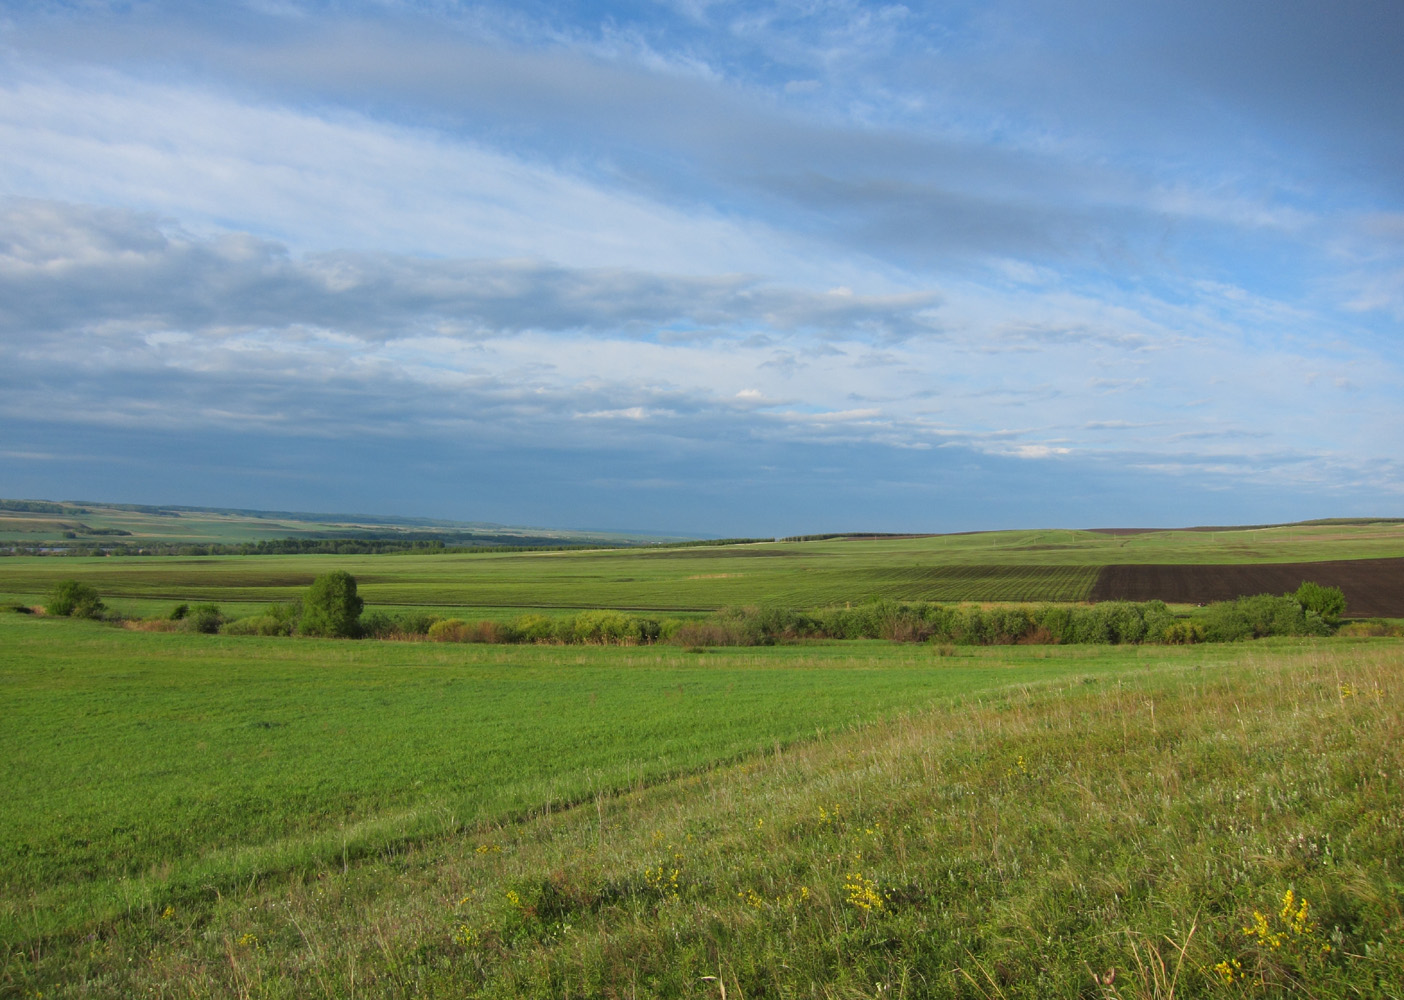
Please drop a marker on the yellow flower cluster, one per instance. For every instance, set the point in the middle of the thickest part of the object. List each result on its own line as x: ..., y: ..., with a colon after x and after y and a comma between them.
x: 1294, y: 918
x: 1298, y: 920
x: 863, y: 892
x: 1259, y: 929
x: 1230, y: 970
x: 663, y: 880
x: 1293, y: 926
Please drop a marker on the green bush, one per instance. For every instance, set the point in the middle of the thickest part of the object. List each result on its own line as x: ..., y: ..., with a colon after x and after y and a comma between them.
x: 1374, y: 628
x: 536, y: 628
x: 697, y: 634
x: 331, y: 607
x: 204, y: 618
x: 1054, y: 622
x: 612, y: 628
x: 1257, y: 617
x: 73, y: 598
x: 1182, y: 634
x: 1328, y: 603
x: 448, y: 630
x: 264, y: 624
x: 458, y: 630
x: 378, y: 625
x: 416, y: 622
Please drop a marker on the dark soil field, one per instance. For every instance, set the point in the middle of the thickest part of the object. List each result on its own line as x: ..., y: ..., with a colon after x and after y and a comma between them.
x: 1374, y: 588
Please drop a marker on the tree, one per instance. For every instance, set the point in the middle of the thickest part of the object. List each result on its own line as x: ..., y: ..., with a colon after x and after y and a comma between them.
x: 331, y: 607
x: 76, y: 599
x: 1328, y: 602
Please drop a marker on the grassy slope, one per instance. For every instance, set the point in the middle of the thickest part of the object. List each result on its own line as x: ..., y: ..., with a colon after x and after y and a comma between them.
x: 1003, y: 844
x: 1023, y: 565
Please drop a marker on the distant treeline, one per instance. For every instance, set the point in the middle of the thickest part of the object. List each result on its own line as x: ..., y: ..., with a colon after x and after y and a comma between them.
x: 850, y: 534
x: 41, y: 507
x: 350, y: 542
x: 695, y: 542
x: 307, y: 546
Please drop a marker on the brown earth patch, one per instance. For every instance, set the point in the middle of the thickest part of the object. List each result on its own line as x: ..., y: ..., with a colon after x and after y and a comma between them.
x: 1373, y: 588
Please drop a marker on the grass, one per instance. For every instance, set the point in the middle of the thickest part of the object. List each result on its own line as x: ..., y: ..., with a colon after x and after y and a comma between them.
x: 154, y: 767
x: 1008, y: 824
x: 995, y: 566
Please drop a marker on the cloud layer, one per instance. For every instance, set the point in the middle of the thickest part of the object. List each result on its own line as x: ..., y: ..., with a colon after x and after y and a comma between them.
x: 732, y: 267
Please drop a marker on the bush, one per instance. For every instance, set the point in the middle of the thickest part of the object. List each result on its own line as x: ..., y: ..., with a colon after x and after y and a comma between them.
x: 378, y: 625
x: 448, y: 630
x: 695, y: 635
x: 72, y: 598
x: 612, y: 628
x: 458, y: 630
x: 844, y: 623
x: 1182, y: 634
x: 331, y: 607
x: 1054, y: 622
x: 1374, y: 628
x: 536, y: 628
x: 178, y: 612
x: 204, y: 618
x: 1257, y: 617
x: 414, y: 623
x: 1327, y: 603
x: 264, y: 624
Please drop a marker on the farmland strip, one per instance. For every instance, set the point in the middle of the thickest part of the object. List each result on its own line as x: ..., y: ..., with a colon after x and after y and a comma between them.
x: 1372, y: 587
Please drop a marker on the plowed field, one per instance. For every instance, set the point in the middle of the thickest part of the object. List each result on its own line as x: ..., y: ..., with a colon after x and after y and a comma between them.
x: 1373, y: 587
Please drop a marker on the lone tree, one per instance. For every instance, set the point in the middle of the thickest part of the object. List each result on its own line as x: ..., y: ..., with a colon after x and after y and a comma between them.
x: 331, y: 607
x: 76, y: 599
x: 1328, y: 602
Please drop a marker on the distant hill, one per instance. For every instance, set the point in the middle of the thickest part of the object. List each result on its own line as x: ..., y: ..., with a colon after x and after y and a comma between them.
x: 47, y: 526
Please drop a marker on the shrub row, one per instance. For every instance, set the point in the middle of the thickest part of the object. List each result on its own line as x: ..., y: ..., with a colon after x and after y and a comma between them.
x: 331, y: 607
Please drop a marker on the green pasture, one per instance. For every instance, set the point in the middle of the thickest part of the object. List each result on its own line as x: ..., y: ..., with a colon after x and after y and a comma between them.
x: 997, y: 566
x: 142, y: 768
x: 203, y: 816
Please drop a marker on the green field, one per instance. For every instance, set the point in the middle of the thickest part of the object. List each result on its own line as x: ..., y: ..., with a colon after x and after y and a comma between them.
x: 195, y: 815
x: 995, y: 566
x: 202, y: 816
x: 152, y: 767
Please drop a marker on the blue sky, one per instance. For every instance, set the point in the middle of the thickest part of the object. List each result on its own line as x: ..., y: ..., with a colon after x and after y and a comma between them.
x: 727, y: 268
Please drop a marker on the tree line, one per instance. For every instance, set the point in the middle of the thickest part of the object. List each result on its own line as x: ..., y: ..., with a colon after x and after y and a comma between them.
x: 332, y: 607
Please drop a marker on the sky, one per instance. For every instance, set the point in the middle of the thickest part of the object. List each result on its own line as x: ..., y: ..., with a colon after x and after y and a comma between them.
x: 718, y: 268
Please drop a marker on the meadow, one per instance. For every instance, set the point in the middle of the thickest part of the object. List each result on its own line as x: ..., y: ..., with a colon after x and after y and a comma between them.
x: 212, y: 815
x: 145, y: 769
x: 199, y: 816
